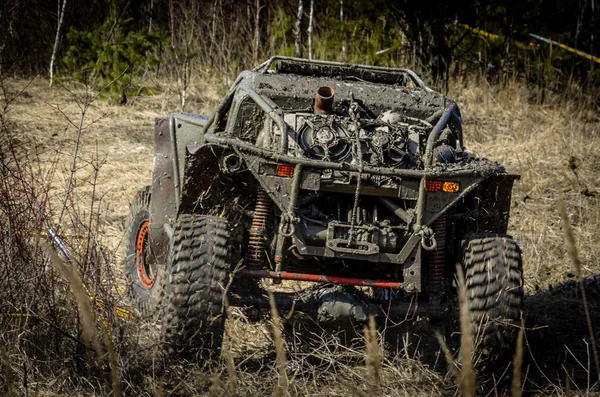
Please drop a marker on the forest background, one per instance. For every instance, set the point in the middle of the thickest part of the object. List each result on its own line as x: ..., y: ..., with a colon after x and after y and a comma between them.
x: 98, y: 41
x: 73, y: 155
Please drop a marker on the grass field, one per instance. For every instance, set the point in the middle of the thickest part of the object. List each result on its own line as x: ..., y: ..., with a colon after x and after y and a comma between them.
x: 554, y: 146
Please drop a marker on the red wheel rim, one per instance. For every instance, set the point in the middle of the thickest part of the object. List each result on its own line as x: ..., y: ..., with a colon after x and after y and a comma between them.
x: 143, y: 267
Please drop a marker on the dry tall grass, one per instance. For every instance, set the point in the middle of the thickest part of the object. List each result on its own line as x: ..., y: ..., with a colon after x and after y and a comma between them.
x: 555, y: 146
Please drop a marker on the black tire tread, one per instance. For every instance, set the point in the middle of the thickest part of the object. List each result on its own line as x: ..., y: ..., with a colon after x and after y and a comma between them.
x: 494, y: 284
x: 197, y: 277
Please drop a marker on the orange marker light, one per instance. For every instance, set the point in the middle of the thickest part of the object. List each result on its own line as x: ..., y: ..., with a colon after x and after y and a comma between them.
x: 286, y: 171
x: 451, y: 187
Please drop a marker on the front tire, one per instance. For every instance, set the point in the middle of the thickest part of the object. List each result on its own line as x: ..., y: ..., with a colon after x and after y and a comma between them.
x: 197, y: 277
x: 494, y: 284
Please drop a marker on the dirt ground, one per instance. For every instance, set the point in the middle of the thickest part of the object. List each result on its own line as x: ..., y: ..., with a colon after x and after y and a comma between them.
x: 554, y: 146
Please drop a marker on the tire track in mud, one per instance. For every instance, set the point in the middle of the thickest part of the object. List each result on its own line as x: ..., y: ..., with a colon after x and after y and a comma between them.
x: 557, y: 341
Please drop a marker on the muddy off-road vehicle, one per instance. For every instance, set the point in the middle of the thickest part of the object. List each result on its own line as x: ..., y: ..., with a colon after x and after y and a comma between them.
x: 348, y: 176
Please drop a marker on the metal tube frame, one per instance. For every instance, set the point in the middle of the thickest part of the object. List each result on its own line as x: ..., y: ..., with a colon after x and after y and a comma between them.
x: 272, y: 113
x: 271, y: 109
x: 435, y: 133
x: 264, y: 67
x: 275, y: 156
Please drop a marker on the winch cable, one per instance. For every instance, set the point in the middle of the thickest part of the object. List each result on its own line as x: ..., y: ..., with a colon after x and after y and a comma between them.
x: 60, y: 244
x: 119, y: 311
x: 357, y: 127
x: 99, y: 302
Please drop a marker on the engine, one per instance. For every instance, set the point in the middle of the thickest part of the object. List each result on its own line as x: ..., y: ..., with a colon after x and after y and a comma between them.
x: 351, y: 132
x: 391, y: 140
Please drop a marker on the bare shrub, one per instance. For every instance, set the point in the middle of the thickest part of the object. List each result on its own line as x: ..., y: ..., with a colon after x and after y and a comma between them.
x: 56, y: 285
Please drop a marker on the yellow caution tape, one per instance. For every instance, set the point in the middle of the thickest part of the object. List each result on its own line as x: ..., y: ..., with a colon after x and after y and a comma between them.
x: 566, y: 47
x: 124, y: 313
x: 119, y: 311
x: 480, y: 32
x: 41, y: 234
x: 493, y: 36
x: 16, y: 314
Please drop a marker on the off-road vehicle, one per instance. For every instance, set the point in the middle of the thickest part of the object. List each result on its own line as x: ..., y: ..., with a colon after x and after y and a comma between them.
x: 349, y: 176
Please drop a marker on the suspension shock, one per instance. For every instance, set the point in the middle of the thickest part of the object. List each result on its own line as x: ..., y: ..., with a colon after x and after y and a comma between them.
x: 257, y: 242
x: 437, y: 257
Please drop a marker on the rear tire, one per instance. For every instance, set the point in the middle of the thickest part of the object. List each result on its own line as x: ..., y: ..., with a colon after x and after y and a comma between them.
x: 197, y: 277
x: 145, y: 277
x: 494, y: 283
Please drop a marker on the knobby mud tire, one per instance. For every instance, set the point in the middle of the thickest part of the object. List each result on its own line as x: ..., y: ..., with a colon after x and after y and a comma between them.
x: 197, y: 277
x: 145, y: 290
x: 494, y: 284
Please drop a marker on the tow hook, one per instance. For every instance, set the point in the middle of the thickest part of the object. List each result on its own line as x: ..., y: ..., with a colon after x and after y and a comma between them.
x: 287, y: 228
x: 428, y: 241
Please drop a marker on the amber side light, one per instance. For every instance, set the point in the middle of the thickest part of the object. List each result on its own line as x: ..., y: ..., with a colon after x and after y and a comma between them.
x: 451, y: 187
x: 286, y: 171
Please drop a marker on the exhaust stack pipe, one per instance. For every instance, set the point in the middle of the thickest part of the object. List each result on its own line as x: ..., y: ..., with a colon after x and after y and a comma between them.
x: 324, y: 100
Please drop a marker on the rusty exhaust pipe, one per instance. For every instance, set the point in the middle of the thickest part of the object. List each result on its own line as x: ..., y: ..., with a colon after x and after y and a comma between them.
x: 324, y: 100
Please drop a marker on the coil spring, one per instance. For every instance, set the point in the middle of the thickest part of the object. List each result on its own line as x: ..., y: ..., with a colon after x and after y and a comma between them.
x: 257, y: 242
x: 438, y: 256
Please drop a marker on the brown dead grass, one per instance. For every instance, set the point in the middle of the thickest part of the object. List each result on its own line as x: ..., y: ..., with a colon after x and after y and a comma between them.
x: 121, y: 137
x: 555, y: 147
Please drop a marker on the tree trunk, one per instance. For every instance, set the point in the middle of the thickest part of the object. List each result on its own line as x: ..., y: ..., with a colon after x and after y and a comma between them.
x: 150, y: 21
x: 172, y: 23
x: 310, y: 28
x: 509, y: 19
x: 440, y: 61
x: 592, y: 27
x: 298, y: 24
x: 61, y: 18
x: 213, y: 31
x: 343, y: 30
x: 257, y: 31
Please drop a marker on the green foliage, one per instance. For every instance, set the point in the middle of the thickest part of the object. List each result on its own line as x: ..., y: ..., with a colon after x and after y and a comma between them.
x: 283, y: 26
x: 110, y: 54
x: 365, y: 30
